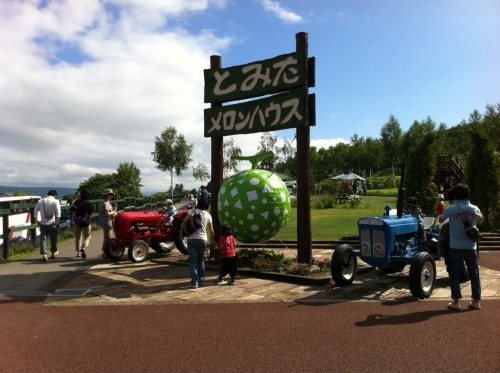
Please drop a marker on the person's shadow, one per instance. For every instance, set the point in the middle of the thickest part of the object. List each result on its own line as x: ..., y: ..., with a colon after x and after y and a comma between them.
x: 407, y: 318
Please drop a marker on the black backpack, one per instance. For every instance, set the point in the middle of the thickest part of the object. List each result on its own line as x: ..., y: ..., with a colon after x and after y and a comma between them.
x: 194, y: 223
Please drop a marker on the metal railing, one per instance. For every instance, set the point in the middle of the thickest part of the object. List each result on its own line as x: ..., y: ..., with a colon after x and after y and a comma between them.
x: 27, y: 206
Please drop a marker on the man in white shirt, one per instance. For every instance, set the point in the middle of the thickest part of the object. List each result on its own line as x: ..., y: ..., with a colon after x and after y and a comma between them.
x: 47, y: 214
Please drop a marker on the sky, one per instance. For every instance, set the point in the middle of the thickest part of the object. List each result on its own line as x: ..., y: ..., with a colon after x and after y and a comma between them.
x: 88, y: 84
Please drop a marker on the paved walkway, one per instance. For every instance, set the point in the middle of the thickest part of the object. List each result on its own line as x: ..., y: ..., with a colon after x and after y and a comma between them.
x: 68, y: 280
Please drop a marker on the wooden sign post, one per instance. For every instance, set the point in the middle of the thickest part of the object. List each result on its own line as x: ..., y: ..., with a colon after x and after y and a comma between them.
x: 284, y: 81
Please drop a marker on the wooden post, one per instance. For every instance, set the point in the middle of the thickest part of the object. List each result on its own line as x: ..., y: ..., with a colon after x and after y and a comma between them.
x: 6, y: 232
x: 304, y: 245
x: 217, y: 169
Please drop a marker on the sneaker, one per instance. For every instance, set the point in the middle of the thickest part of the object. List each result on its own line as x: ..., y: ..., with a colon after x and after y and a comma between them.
x: 44, y: 258
x: 474, y: 306
x: 83, y: 253
x: 54, y: 254
x: 221, y: 282
x: 78, y: 254
x: 231, y: 281
x: 194, y: 286
x: 453, y: 306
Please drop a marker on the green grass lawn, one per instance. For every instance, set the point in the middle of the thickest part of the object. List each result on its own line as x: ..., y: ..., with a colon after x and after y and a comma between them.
x: 337, y: 222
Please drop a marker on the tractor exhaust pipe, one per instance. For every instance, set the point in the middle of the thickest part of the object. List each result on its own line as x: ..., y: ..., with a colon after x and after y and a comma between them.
x: 401, y: 192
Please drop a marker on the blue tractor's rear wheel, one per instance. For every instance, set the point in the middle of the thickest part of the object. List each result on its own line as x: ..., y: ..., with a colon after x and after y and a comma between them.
x: 422, y: 275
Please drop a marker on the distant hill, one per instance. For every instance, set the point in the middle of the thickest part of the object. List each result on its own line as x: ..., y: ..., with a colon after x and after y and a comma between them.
x: 36, y: 191
x: 42, y: 191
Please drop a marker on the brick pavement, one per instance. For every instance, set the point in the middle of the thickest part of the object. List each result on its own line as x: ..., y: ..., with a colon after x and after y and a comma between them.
x: 163, y: 280
x: 97, y: 281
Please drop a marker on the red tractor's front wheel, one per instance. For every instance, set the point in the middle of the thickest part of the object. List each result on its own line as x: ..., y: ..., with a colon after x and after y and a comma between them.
x: 138, y: 251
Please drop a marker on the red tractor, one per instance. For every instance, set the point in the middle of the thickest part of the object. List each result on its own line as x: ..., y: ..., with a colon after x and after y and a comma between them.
x: 139, y: 230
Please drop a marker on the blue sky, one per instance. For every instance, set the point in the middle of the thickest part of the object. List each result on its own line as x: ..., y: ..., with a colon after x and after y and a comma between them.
x: 85, y: 85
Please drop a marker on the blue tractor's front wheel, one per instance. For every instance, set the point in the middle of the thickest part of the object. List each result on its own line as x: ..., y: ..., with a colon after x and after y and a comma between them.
x: 343, y: 266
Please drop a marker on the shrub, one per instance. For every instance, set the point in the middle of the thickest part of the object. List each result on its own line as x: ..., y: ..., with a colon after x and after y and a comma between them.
x: 325, y: 202
x: 272, y: 260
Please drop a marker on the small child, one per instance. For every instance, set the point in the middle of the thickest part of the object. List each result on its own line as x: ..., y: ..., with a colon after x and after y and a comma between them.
x: 228, y: 263
x: 170, y: 211
x: 439, y: 208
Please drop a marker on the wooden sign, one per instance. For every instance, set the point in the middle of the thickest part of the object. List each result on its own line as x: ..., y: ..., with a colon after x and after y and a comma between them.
x: 277, y: 112
x: 278, y: 74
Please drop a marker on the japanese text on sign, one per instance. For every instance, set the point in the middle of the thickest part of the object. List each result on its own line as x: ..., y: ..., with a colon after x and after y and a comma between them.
x: 277, y: 74
x: 285, y: 110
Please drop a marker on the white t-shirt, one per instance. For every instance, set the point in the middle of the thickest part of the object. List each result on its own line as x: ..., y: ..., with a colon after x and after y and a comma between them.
x: 201, y: 233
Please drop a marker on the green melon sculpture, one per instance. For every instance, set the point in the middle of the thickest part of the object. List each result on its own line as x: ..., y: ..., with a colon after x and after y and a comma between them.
x: 254, y: 203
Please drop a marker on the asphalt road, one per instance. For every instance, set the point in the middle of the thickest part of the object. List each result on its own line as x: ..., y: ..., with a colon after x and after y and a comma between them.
x: 257, y: 337
x: 345, y: 335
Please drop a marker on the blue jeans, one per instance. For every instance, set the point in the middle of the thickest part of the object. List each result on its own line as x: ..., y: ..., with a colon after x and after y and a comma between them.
x: 51, y: 231
x: 455, y: 258
x: 196, y: 250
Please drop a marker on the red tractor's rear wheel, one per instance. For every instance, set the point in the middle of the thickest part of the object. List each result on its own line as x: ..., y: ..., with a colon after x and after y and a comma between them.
x: 114, y: 251
x: 162, y: 247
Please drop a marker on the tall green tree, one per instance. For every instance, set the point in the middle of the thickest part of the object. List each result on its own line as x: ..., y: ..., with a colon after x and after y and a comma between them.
x: 96, y: 184
x: 230, y: 165
x: 172, y: 153
x: 420, y: 157
x: 483, y: 165
x: 201, y: 172
x: 267, y: 142
x: 391, y: 136
x: 127, y: 180
x: 286, y: 162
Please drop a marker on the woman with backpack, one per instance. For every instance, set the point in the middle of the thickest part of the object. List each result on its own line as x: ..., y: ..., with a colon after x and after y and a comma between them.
x: 82, y: 209
x: 462, y: 248
x: 197, y: 225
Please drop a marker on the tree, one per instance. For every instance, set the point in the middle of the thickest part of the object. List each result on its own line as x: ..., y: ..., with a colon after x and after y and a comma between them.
x: 419, y: 156
x: 483, y: 165
x: 391, y: 135
x: 201, y: 172
x: 179, y: 192
x: 267, y: 143
x: 127, y: 180
x: 172, y: 153
x: 97, y: 184
x: 286, y: 162
x: 230, y: 165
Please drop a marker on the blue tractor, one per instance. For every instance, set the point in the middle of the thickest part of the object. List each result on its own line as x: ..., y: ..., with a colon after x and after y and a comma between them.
x: 390, y: 242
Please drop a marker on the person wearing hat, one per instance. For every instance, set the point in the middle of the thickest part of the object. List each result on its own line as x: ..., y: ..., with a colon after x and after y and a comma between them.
x: 106, y: 214
x: 170, y: 211
x: 47, y: 214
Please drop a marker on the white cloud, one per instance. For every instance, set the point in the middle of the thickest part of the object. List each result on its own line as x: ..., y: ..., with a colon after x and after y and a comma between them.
x: 87, y: 85
x: 279, y: 11
x: 326, y: 143
x: 66, y: 114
